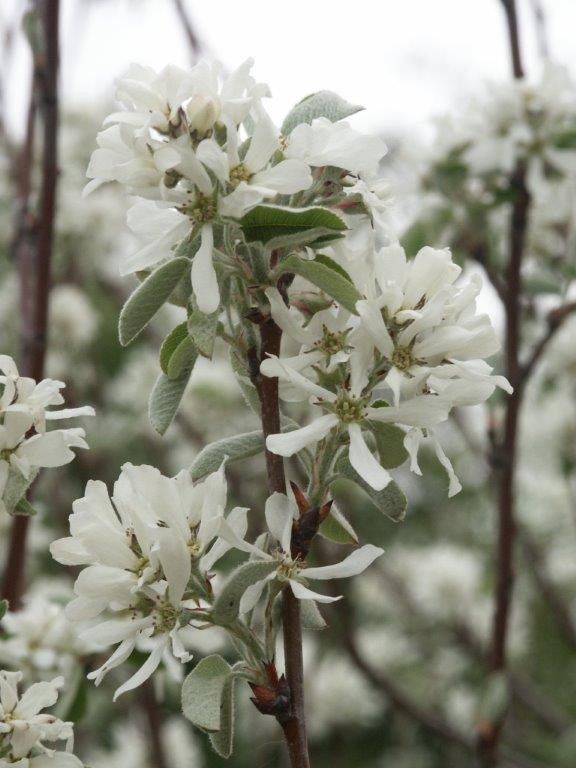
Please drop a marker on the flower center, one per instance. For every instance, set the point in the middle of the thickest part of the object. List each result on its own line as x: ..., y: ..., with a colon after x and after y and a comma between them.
x: 402, y: 358
x: 165, y: 618
x: 238, y: 174
x: 349, y: 408
x: 202, y: 210
x: 331, y: 342
x: 171, y: 178
x: 287, y: 568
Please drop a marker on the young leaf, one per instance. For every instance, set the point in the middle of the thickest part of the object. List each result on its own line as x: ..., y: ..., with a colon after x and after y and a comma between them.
x: 390, y: 444
x: 24, y: 508
x: 233, y: 448
x: 278, y: 227
x: 202, y: 329
x: 321, y: 274
x: 183, y: 356
x: 320, y: 104
x: 149, y: 297
x: 244, y: 382
x: 165, y: 399
x: 203, y: 693
x: 391, y: 501
x: 337, y: 529
x: 15, y: 489
x: 227, y: 604
x: 223, y: 740
x: 4, y: 605
x: 310, y: 615
x: 170, y: 344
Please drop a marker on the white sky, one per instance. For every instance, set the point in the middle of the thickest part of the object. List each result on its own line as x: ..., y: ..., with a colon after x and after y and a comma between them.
x: 405, y: 60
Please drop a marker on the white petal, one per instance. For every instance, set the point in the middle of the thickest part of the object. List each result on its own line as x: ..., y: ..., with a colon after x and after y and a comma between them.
x: 285, y: 319
x: 303, y: 593
x: 146, y: 670
x: 204, y: 280
x: 412, y: 442
x: 175, y: 561
x: 374, y: 323
x: 289, y: 443
x: 454, y: 485
x: 286, y: 178
x: 364, y: 462
x: 355, y: 563
x: 280, y: 512
x: 118, y: 657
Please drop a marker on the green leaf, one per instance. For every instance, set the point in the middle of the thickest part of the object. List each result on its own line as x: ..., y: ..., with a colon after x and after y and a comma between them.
x: 15, y: 489
x: 337, y: 529
x: 24, y: 508
x: 203, y: 693
x: 165, y: 399
x: 390, y: 444
x: 391, y: 501
x: 278, y: 227
x: 233, y: 448
x: 149, y: 297
x: 202, y: 329
x: 324, y: 277
x: 310, y: 616
x: 183, y: 357
x: 320, y: 104
x: 227, y: 604
x: 4, y: 605
x: 247, y: 388
x: 223, y: 740
x: 170, y: 344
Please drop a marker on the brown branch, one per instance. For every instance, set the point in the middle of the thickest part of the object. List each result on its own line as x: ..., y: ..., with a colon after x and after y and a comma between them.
x: 154, y: 722
x: 513, y: 38
x: 293, y: 724
x: 191, y: 36
x: 34, y: 262
x: 555, y: 320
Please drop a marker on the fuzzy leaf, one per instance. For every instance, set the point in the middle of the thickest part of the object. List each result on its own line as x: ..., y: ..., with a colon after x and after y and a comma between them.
x: 391, y: 501
x: 310, y: 616
x: 202, y: 329
x: 183, y: 357
x: 337, y: 529
x: 279, y: 227
x: 390, y: 444
x: 170, y: 344
x: 233, y: 448
x: 203, y: 693
x: 149, y: 297
x: 165, y: 399
x: 24, y: 508
x: 3, y: 608
x: 223, y: 740
x: 245, y: 383
x: 320, y: 104
x: 15, y: 489
x: 324, y: 277
x: 227, y: 604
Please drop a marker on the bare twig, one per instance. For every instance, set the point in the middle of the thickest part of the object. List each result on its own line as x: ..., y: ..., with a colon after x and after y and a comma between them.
x: 35, y: 263
x: 541, y: 25
x: 154, y: 723
x: 191, y: 36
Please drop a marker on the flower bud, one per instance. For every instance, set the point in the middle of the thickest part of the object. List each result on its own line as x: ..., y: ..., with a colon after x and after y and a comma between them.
x: 202, y: 112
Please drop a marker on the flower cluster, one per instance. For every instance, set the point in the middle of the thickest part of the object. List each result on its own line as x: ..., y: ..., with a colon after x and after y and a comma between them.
x: 24, y: 727
x: 148, y: 551
x: 201, y: 150
x: 414, y: 350
x: 25, y: 443
x: 465, y: 183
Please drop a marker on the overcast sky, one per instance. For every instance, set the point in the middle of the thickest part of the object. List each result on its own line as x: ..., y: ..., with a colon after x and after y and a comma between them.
x: 404, y: 60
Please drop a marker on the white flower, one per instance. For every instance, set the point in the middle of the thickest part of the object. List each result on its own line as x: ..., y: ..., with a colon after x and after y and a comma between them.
x: 24, y: 727
x: 148, y: 555
x: 424, y: 326
x: 254, y: 178
x: 24, y: 409
x: 40, y: 636
x: 281, y: 512
x: 324, y: 143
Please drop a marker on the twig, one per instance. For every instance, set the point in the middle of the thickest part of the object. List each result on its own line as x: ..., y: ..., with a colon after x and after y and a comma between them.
x: 513, y: 38
x: 154, y: 722
x: 193, y: 39
x: 555, y: 319
x: 541, y: 29
x: 293, y: 725
x: 35, y: 262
